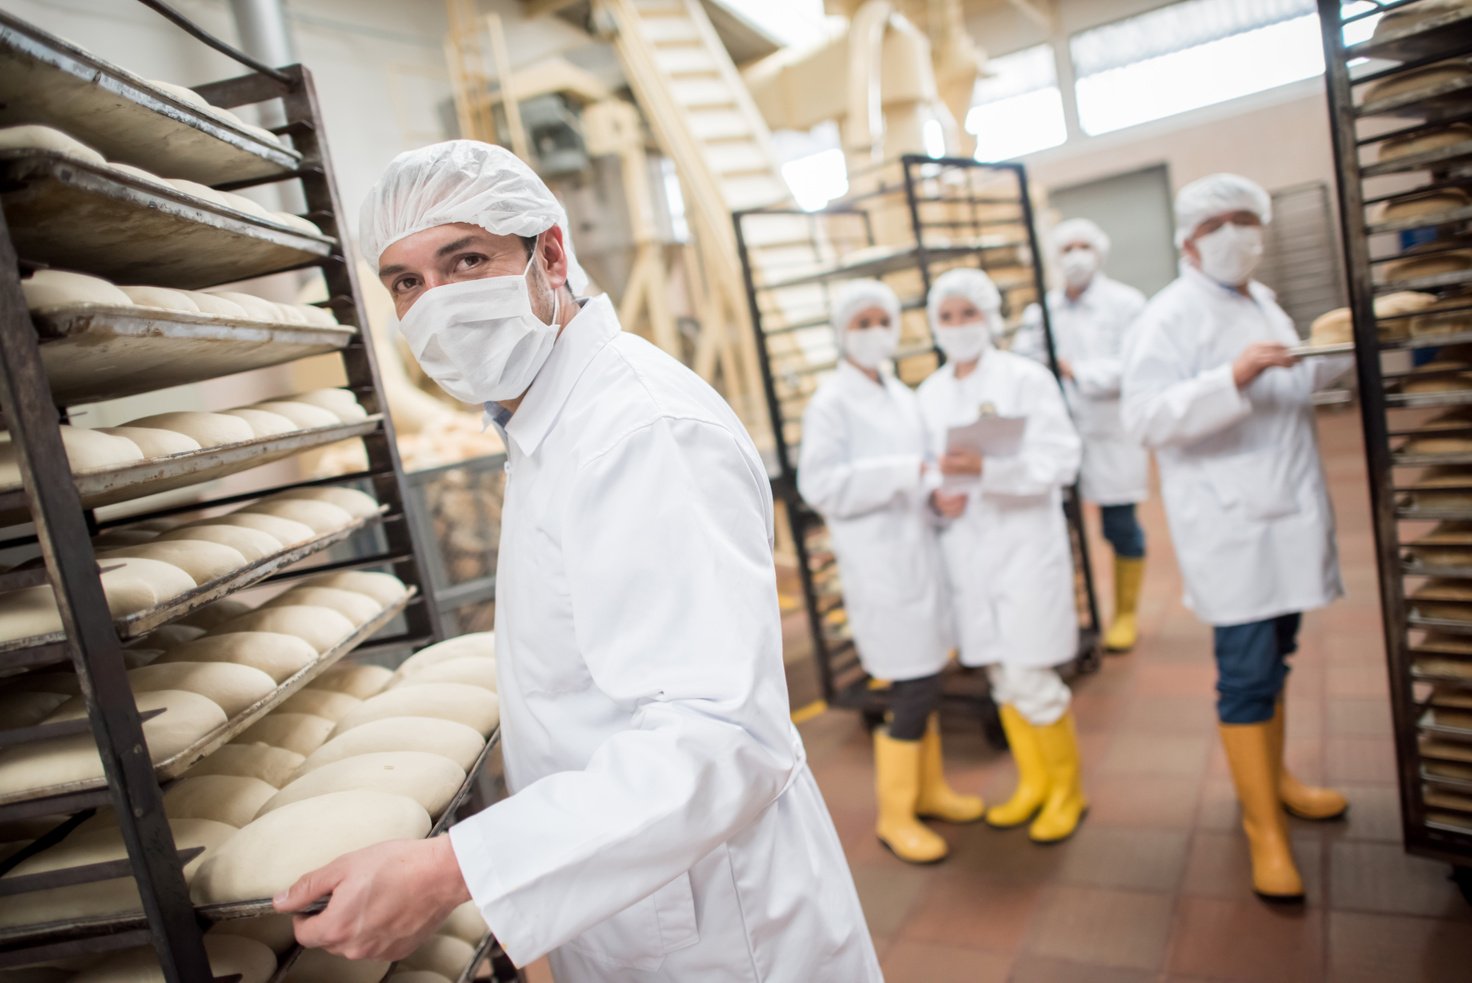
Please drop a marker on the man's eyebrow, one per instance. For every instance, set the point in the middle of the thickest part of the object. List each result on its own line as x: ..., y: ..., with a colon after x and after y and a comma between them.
x: 384, y: 271
x: 458, y: 244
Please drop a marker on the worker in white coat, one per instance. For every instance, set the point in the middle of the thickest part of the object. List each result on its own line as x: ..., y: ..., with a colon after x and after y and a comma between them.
x: 1090, y: 316
x: 1210, y: 385
x: 663, y: 824
x: 1009, y: 561
x: 863, y: 467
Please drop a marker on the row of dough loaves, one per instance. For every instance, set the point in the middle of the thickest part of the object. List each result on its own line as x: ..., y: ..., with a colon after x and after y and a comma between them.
x: 46, y: 138
x: 196, y: 101
x: 58, y: 290
x: 1336, y: 327
x: 143, y: 568
x: 164, y: 435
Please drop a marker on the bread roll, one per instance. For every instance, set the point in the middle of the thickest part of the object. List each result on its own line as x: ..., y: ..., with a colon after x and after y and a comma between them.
x: 455, y: 741
x: 321, y: 517
x: 209, y: 429
x: 321, y: 966
x: 1420, y: 143
x: 429, y: 779
x: 209, y: 303
x: 278, y: 655
x: 384, y: 588
x: 200, y: 192
x: 86, y: 450
x: 357, y: 681
x: 304, y: 415
x: 322, y: 317
x: 48, y: 289
x: 147, y: 178
x: 216, y: 613
x: 476, y: 645
x: 1426, y: 206
x: 252, y: 544
x: 232, y: 687
x: 1333, y: 328
x: 320, y: 703
x: 161, y: 298
x: 355, y: 503
x: 469, y: 671
x: 357, y: 608
x: 264, y: 423
x: 285, y: 531
x: 183, y: 95
x: 302, y: 733
x: 229, y: 955
x: 1414, y: 267
x: 290, y: 314
x: 23, y: 709
x: 465, y: 923
x: 341, y: 403
x: 275, y: 932
x: 201, y: 559
x: 274, y: 766
x: 154, y: 443
x: 136, y: 584
x: 297, y: 223
x: 1417, y: 83
x: 36, y: 137
x: 469, y: 705
x: 322, y: 628
x: 270, y: 854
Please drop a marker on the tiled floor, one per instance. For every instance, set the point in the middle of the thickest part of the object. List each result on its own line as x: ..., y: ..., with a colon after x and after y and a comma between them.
x: 1155, y: 884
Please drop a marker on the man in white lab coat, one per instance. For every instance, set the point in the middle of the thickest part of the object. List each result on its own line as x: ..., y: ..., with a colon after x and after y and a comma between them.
x: 1091, y: 315
x: 1210, y: 385
x: 663, y: 824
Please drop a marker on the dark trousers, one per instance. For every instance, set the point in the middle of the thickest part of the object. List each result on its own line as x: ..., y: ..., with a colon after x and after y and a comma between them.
x: 1251, y: 667
x: 911, y: 702
x: 1123, y: 530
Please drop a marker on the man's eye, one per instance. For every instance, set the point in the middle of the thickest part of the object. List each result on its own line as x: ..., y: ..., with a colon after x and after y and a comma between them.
x: 405, y: 284
x: 469, y: 261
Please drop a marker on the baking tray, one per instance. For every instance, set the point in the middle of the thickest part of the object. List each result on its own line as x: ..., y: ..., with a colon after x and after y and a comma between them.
x: 1430, y: 460
x: 1428, y: 725
x: 46, y: 80
x: 97, y: 351
x: 141, y: 623
x: 1456, y: 397
x: 1430, y: 340
x: 174, y: 766
x: 1421, y: 161
x: 1316, y: 351
x: 75, y: 216
x: 1437, y: 281
x: 1449, y: 217
x: 1448, y: 96
x: 1438, y: 32
x: 99, y: 488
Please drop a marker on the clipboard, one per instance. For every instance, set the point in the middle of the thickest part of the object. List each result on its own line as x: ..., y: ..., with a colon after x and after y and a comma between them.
x: 989, y: 436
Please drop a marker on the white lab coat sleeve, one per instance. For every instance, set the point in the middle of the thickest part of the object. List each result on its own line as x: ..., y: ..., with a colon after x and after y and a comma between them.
x: 1164, y: 405
x: 1029, y: 341
x: 669, y: 569
x: 1098, y: 378
x: 1050, y: 453
x: 1325, y: 371
x: 841, y: 488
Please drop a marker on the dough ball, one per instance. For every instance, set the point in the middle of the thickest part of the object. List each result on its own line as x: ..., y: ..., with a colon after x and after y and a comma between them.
x: 429, y: 779
x: 86, y: 450
x: 161, y: 298
x: 469, y: 705
x: 196, y: 190
x: 217, y: 613
x: 264, y: 423
x: 229, y: 955
x: 1427, y: 206
x: 139, y: 174
x: 182, y: 94
x: 278, y: 655
x: 232, y: 687
x: 357, y: 608
x: 455, y: 741
x: 275, y: 932
x: 321, y: 517
x: 203, y: 560
x: 274, y: 766
x: 357, y: 504
x: 283, y: 530
x: 36, y: 137
x: 22, y: 709
x: 1415, y: 83
x: 28, y: 613
x: 209, y: 429
x: 304, y: 415
x: 441, y: 954
x: 229, y: 799
x: 299, y: 732
x: 58, y: 288
x: 1333, y: 328
x: 1412, y: 267
x: 353, y: 680
x: 290, y: 314
x: 384, y: 588
x: 256, y: 308
x: 136, y: 584
x: 187, y: 717
x: 322, y: 317
x: 466, y: 923
x: 477, y: 645
x: 322, y: 628
x: 246, y: 204
x: 339, y: 402
x: 321, y: 966
x: 209, y: 303
x: 470, y: 672
x: 1402, y: 147
x: 252, y: 544
x: 320, y: 703
x: 154, y: 443
x: 297, y: 223
x: 271, y: 853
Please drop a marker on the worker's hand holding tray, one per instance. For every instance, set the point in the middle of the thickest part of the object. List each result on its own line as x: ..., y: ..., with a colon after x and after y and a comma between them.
x: 989, y: 436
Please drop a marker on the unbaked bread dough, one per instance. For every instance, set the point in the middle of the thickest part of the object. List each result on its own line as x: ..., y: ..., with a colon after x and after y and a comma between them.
x: 183, y: 95
x: 429, y: 779
x: 216, y: 613
x: 229, y: 799
x: 290, y: 314
x: 275, y: 932
x: 357, y: 608
x: 299, y: 732
x: 196, y: 190
x: 1418, y: 82
x: 441, y: 954
x: 272, y: 852
x: 209, y: 303
x: 283, y: 530
x: 1420, y: 143
x: 63, y: 760
x: 469, y: 705
x: 136, y: 584
x: 86, y: 450
x: 384, y: 588
x: 321, y: 517
x: 322, y: 628
x: 229, y: 955
x: 256, y: 308
x: 304, y: 415
x: 321, y: 966
x: 357, y: 681
x: 355, y: 503
x: 465, y: 923
x: 273, y: 765
x: 278, y: 655
x: 161, y: 298
x: 210, y: 429
x: 45, y: 289
x: 469, y: 671
x: 1438, y: 445
x: 476, y: 645
x: 23, y: 709
x: 36, y: 137
x: 1334, y: 328
x: 139, y: 174
x: 320, y: 703
x: 155, y: 443
x: 322, y: 317
x: 231, y: 686
x: 168, y: 636
x: 418, y: 976
x: 1439, y: 379
x: 203, y: 560
x: 297, y: 223
x: 263, y: 422
x: 339, y: 402
x: 455, y: 741
x: 1426, y: 206
x: 253, y: 544
x: 1413, y: 267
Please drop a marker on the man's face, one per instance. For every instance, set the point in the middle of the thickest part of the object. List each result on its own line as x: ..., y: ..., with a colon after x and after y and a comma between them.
x: 1241, y: 217
x: 450, y: 254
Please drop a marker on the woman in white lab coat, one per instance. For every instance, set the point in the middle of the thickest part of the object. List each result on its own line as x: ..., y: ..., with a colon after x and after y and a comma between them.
x: 1006, y: 547
x: 863, y: 467
x: 1210, y: 385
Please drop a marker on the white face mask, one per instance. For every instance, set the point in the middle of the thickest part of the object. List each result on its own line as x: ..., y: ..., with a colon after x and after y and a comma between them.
x: 871, y: 347
x: 479, y: 339
x: 1078, y: 267
x: 1231, y: 253
x: 964, y: 342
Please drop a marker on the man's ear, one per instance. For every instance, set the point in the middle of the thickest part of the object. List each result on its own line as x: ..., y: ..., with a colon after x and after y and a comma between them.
x: 554, y: 256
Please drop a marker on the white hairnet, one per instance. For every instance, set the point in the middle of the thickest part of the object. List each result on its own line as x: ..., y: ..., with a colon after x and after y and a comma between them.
x: 974, y: 285
x: 1218, y: 194
x: 1073, y: 230
x: 854, y: 296
x: 461, y: 181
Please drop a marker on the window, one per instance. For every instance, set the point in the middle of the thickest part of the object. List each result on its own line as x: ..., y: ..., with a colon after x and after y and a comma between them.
x: 812, y: 165
x: 1191, y: 54
x: 1019, y: 109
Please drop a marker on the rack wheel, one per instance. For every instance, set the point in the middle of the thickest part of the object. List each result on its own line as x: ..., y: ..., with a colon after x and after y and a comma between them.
x: 1462, y: 878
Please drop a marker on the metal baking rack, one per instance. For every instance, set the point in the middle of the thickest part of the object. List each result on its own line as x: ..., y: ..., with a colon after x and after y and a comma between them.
x: 943, y: 213
x: 70, y: 215
x: 1422, y: 652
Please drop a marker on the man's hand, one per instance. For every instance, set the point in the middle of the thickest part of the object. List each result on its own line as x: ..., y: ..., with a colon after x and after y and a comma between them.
x: 385, y: 900
x: 949, y: 506
x: 1065, y: 368
x: 1257, y: 358
x: 961, y: 462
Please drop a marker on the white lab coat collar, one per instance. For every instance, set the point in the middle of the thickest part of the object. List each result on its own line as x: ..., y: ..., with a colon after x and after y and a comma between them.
x: 855, y: 380
x: 584, y: 336
x: 1257, y: 292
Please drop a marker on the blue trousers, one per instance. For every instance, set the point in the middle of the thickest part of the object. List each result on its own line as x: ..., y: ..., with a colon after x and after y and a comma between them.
x: 1123, y: 530
x: 1251, y: 667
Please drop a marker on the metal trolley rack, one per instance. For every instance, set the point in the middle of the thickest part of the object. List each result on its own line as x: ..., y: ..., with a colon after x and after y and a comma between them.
x: 947, y: 213
x: 62, y: 212
x: 1412, y: 394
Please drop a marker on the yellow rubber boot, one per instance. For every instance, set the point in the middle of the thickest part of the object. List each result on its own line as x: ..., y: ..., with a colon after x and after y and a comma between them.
x: 897, y: 784
x: 1066, y: 804
x: 1303, y: 801
x: 1251, y: 753
x: 937, y: 799
x: 1129, y: 574
x: 1032, y: 774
